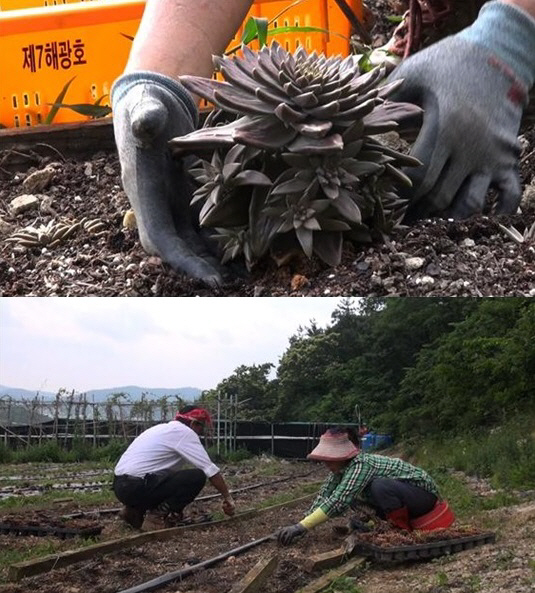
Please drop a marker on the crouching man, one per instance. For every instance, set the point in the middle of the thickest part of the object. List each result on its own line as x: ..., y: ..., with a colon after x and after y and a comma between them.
x: 149, y: 479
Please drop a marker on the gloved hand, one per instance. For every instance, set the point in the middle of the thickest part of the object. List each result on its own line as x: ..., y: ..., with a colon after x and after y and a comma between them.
x: 293, y: 532
x: 358, y: 526
x: 229, y: 506
x: 148, y: 110
x: 473, y: 88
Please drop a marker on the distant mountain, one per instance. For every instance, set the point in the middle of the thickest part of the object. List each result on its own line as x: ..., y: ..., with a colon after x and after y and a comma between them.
x: 16, y: 393
x: 133, y: 392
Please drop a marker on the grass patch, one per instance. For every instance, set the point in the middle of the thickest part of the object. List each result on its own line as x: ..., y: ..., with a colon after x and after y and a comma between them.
x: 505, y: 455
x: 46, y: 500
x: 9, y: 556
x: 343, y: 585
x: 32, y: 551
x: 268, y: 466
x: 283, y: 497
x: 463, y: 500
x: 55, y: 452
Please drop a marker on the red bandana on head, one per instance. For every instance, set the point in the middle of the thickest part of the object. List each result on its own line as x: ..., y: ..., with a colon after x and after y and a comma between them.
x: 197, y: 414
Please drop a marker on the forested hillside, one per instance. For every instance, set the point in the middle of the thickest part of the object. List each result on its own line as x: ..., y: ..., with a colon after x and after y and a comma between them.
x: 411, y: 367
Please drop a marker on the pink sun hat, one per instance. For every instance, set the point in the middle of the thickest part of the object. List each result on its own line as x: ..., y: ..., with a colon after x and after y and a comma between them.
x: 333, y: 446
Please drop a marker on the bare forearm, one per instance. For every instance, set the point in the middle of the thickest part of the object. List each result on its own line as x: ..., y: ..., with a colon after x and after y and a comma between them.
x: 220, y: 485
x: 527, y: 5
x: 178, y: 37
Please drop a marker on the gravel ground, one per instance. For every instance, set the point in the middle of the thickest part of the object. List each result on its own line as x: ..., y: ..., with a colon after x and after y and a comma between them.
x: 432, y: 258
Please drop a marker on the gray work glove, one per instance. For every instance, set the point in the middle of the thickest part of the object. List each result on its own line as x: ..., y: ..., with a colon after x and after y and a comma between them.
x: 473, y: 87
x: 291, y: 533
x: 148, y: 110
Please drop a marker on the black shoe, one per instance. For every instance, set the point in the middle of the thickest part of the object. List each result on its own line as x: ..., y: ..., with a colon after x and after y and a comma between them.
x: 134, y: 517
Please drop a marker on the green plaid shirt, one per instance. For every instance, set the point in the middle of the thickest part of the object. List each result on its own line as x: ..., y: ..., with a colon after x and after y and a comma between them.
x: 341, y: 490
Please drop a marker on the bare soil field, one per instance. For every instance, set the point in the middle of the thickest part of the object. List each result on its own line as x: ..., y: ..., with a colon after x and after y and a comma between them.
x: 506, y: 565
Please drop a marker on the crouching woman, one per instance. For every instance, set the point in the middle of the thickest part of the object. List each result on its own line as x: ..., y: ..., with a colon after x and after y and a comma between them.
x: 398, y: 491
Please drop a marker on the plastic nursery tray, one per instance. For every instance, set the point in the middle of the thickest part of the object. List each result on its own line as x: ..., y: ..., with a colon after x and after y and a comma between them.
x: 427, y: 550
x: 45, y: 530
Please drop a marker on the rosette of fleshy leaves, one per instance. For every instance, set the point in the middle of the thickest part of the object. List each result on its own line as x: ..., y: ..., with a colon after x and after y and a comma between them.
x: 299, y: 165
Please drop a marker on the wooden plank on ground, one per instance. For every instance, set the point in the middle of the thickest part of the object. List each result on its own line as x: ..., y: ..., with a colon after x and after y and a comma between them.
x: 76, y: 140
x: 254, y: 580
x: 324, y: 581
x: 28, y: 568
x: 326, y: 560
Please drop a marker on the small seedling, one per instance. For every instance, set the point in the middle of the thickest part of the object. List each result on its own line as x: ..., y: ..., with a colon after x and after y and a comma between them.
x: 442, y: 579
x: 343, y: 585
x: 94, y: 111
x: 526, y: 237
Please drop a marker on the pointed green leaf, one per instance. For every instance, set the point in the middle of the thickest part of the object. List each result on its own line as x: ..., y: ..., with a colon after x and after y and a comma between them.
x: 59, y: 99
x: 347, y: 208
x: 262, y: 28
x: 95, y: 111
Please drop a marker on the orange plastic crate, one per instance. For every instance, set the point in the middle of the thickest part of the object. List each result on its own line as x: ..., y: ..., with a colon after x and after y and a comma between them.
x: 43, y: 47
x: 22, y: 4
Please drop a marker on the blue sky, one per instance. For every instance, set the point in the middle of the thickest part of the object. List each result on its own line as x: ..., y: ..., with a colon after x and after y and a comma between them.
x: 92, y: 343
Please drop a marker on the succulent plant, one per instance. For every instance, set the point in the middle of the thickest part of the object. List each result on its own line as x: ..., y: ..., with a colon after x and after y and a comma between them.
x: 299, y: 156
x: 54, y: 233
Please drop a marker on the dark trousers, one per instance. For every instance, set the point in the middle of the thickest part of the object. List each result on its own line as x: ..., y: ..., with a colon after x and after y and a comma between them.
x: 387, y: 495
x: 173, y: 489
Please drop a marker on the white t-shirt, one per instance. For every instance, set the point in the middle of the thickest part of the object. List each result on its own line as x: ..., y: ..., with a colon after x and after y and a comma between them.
x: 165, y: 446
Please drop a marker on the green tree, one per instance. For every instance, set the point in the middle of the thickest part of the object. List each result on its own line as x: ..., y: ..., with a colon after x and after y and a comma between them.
x: 475, y: 375
x: 252, y: 387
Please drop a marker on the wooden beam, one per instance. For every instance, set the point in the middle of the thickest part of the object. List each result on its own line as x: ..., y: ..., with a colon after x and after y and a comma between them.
x: 324, y: 581
x: 77, y: 140
x: 28, y: 568
x: 254, y: 580
x: 19, y: 147
x: 326, y: 560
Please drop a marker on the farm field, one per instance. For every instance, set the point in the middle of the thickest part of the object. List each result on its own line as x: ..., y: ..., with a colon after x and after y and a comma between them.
x: 74, y: 492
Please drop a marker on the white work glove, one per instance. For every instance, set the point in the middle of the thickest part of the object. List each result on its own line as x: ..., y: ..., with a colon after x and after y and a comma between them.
x: 473, y: 88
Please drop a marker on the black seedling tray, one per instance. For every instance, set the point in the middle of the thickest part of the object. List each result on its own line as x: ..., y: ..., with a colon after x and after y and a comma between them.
x: 425, y: 551
x: 44, y: 530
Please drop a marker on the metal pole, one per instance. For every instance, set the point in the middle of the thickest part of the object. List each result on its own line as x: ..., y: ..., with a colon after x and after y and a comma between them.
x: 218, y: 423
x: 234, y: 444
x: 357, y: 414
x: 229, y: 443
x: 226, y: 426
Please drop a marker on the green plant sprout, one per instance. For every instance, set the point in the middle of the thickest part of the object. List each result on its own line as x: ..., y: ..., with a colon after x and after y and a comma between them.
x: 95, y: 110
x: 258, y: 28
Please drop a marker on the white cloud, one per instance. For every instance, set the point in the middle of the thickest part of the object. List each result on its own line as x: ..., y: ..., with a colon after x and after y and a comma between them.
x: 47, y: 343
